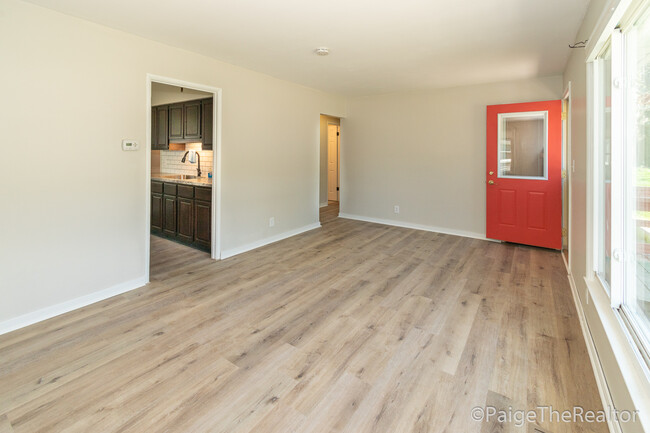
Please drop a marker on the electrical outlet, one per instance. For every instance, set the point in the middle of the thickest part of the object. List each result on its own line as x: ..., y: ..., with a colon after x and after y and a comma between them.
x: 396, y: 209
x: 271, y: 221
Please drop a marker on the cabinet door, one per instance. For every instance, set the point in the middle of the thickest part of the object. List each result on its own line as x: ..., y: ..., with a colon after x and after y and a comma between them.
x: 176, y: 122
x: 192, y: 119
x: 156, y: 213
x: 162, y: 139
x: 169, y: 215
x: 206, y: 114
x: 202, y: 226
x: 185, y: 232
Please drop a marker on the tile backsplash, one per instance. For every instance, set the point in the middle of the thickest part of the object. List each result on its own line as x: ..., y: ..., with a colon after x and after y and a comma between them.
x: 170, y: 162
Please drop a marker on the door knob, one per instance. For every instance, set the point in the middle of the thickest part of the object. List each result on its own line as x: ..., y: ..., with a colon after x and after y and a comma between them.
x: 491, y: 182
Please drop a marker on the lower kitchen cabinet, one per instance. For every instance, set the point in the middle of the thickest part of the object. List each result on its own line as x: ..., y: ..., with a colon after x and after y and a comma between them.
x: 156, y: 213
x: 169, y: 215
x: 202, y: 226
x: 182, y: 213
x: 185, y: 232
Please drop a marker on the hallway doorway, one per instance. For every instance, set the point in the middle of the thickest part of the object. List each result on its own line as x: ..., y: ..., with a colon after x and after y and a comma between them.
x: 333, y: 133
x: 330, y: 160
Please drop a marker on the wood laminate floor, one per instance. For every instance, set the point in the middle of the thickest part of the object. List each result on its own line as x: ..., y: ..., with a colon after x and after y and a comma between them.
x: 354, y: 327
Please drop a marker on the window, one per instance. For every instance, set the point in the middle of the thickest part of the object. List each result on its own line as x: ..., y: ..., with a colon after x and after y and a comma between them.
x: 603, y: 138
x: 636, y: 176
x: 621, y: 114
x: 522, y: 144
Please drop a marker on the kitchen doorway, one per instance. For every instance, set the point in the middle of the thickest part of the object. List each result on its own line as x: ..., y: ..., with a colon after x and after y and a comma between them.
x: 330, y: 163
x: 183, y: 157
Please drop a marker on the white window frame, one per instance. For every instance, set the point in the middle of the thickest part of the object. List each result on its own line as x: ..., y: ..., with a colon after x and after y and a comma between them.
x: 501, y: 118
x: 596, y: 129
x: 608, y: 32
x: 618, y: 165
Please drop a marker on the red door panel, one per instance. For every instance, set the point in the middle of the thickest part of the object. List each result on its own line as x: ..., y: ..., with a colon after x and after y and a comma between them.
x: 507, y: 207
x: 524, y: 180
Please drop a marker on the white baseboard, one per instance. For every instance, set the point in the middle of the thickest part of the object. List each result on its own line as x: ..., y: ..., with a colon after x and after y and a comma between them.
x: 601, y: 382
x: 324, y: 204
x: 415, y: 226
x: 262, y: 242
x: 64, y: 307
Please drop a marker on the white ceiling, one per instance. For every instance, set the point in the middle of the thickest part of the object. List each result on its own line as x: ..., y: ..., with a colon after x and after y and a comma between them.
x: 376, y: 46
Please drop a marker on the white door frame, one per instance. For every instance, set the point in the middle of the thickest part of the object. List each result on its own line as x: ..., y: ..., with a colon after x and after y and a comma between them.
x: 215, y: 252
x: 566, y: 150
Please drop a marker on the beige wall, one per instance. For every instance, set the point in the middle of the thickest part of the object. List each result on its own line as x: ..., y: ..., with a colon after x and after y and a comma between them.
x: 425, y: 152
x: 576, y: 73
x: 324, y: 120
x: 73, y: 91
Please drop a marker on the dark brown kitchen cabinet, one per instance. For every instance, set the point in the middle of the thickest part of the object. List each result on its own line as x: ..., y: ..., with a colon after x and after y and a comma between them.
x: 156, y: 211
x: 185, y: 121
x: 169, y: 215
x: 203, y: 218
x: 192, y: 120
x: 159, y: 128
x: 206, y: 114
x: 202, y: 232
x: 182, y: 213
x: 175, y: 122
x: 185, y: 228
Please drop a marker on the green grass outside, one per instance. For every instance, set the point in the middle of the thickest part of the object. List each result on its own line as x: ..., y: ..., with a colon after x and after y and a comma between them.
x: 643, y: 176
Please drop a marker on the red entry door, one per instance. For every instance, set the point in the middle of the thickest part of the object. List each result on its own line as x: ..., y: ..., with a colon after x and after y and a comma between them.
x: 524, y: 173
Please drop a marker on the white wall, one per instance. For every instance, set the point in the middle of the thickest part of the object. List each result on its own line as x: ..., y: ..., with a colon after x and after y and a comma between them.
x: 425, y: 152
x: 576, y: 73
x: 72, y: 91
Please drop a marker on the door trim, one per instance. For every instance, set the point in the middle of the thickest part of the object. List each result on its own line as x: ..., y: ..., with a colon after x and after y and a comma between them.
x: 215, y: 252
x: 569, y: 172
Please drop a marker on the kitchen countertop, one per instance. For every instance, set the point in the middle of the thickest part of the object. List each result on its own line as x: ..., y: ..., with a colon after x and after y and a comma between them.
x: 167, y: 177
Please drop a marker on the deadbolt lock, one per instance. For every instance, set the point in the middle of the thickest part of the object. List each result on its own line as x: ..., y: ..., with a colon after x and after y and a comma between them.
x: 491, y: 173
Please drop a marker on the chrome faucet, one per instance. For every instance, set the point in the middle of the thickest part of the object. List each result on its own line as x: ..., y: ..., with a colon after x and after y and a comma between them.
x: 198, y: 157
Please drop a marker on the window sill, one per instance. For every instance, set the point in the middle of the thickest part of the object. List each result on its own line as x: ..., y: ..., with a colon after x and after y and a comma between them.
x: 630, y: 361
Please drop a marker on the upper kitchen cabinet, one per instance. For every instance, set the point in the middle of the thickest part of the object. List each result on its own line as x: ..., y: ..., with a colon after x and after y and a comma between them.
x: 159, y: 125
x: 192, y: 120
x: 207, y: 123
x: 185, y: 121
x: 176, y: 122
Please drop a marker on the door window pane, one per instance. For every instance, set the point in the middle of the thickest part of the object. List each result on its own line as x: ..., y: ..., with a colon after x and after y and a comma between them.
x: 522, y: 144
x: 637, y: 188
x: 604, y: 66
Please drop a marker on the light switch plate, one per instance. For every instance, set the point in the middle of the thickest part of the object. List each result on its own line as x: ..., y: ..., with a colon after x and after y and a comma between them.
x: 130, y: 145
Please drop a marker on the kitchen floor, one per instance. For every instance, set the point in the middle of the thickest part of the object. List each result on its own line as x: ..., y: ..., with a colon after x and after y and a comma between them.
x: 168, y: 257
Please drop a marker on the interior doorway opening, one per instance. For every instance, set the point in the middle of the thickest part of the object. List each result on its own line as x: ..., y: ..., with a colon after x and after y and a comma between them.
x: 182, y: 182
x: 330, y: 167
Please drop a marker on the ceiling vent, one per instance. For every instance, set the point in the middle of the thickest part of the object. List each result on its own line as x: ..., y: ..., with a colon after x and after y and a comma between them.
x: 322, y: 51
